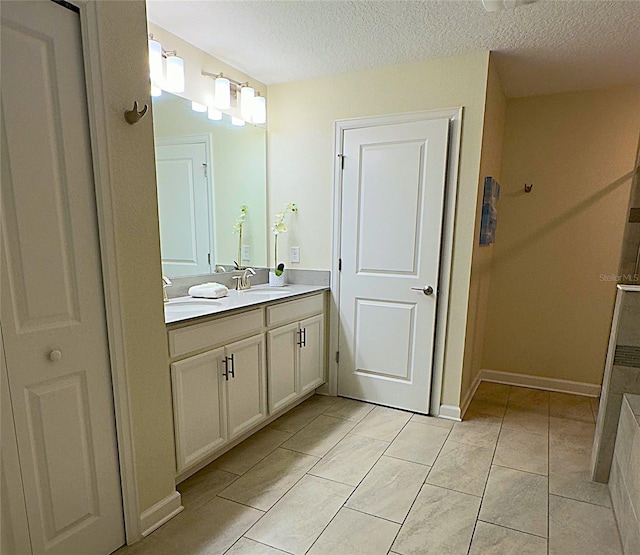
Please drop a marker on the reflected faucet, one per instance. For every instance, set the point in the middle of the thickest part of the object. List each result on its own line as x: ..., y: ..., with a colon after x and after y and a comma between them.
x: 244, y: 281
x: 166, y: 282
x: 220, y: 269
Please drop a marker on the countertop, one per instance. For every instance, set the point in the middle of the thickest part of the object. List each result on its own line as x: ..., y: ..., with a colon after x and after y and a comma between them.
x: 181, y: 309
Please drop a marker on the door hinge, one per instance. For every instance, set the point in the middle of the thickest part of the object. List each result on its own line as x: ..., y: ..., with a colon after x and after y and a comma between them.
x: 341, y: 156
x: 337, y: 357
x: 204, y: 165
x: 339, y: 264
x: 209, y: 258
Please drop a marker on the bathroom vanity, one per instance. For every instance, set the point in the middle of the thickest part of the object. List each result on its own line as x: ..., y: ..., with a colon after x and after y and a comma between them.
x: 239, y: 362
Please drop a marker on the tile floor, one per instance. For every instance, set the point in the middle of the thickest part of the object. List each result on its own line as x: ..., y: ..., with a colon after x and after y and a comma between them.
x: 341, y: 477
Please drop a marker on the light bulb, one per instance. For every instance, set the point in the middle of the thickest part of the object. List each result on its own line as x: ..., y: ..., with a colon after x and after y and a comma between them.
x: 237, y: 121
x: 222, y: 93
x: 215, y: 115
x: 175, y: 74
x: 197, y: 107
x: 247, y: 95
x: 155, y: 62
x: 259, y: 109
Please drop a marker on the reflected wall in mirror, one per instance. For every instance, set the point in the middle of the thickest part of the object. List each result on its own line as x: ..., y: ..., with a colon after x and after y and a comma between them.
x: 206, y: 170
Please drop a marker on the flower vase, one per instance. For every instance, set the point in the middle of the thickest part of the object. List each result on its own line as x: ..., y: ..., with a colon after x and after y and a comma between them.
x: 276, y: 281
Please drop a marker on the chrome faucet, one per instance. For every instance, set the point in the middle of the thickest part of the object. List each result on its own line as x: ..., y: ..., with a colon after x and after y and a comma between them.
x: 166, y: 282
x: 220, y: 269
x: 244, y: 281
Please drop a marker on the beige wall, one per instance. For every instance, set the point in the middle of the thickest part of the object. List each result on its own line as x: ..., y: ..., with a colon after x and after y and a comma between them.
x: 549, y: 310
x: 490, y: 162
x: 122, y: 31
x: 301, y: 160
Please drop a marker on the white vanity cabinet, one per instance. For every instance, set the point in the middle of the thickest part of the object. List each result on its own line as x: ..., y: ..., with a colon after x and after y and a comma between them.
x: 220, y: 393
x: 295, y: 350
x: 244, y: 376
x: 198, y: 406
x: 232, y: 374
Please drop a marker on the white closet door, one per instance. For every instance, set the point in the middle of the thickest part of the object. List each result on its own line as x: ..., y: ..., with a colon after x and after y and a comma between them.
x: 53, y: 316
x: 14, y: 529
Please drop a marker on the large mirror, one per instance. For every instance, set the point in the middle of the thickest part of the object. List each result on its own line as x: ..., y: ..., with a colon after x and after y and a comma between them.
x: 207, y: 171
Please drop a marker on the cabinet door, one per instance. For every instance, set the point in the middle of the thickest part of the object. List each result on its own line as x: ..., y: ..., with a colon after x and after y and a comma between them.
x: 312, y: 354
x: 246, y: 384
x: 197, y: 401
x: 282, y: 356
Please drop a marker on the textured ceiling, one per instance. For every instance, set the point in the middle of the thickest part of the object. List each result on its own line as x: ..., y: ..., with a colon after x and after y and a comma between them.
x: 547, y: 47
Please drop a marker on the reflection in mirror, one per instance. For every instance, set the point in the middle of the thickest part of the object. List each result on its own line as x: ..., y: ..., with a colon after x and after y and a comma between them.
x: 206, y: 171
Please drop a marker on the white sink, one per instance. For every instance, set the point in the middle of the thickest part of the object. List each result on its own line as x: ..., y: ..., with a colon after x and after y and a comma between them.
x: 187, y: 306
x: 266, y: 293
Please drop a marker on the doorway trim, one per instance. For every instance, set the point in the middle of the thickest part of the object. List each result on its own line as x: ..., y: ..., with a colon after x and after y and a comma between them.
x: 454, y: 115
x: 97, y: 116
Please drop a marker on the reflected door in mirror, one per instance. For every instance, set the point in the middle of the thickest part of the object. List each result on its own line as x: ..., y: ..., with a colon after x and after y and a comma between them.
x: 183, y: 204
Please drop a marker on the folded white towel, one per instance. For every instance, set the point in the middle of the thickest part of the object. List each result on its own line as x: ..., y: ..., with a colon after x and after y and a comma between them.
x: 209, y: 291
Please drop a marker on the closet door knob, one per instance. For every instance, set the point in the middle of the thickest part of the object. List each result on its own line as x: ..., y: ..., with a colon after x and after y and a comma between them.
x: 55, y: 355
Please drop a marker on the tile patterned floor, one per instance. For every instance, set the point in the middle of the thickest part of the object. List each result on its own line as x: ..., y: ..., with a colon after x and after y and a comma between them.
x: 341, y: 477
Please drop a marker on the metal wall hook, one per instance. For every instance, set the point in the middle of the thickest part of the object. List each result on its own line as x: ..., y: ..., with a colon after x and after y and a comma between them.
x: 134, y: 116
x: 528, y: 188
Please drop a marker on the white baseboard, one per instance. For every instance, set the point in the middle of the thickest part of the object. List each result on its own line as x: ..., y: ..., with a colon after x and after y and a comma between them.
x: 450, y: 412
x: 537, y: 382
x: 469, y: 396
x: 163, y: 511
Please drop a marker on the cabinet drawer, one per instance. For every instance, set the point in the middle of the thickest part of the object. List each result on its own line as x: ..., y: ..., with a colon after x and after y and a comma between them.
x: 295, y: 310
x: 212, y: 334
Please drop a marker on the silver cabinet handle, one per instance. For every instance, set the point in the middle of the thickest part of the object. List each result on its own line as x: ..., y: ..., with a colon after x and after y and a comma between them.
x: 427, y: 289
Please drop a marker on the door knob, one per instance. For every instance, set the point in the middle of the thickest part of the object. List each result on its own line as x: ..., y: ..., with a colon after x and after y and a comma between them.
x: 55, y: 355
x: 427, y: 289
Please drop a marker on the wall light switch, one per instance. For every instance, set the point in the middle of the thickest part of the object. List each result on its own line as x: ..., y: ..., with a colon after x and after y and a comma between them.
x: 246, y: 253
x: 295, y: 255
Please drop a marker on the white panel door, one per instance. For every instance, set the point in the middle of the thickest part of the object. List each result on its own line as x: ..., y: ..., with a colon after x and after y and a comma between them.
x: 198, y: 407
x: 246, y: 384
x: 183, y: 208
x: 53, y: 315
x: 392, y: 207
x: 14, y: 528
x: 312, y: 354
x: 282, y: 349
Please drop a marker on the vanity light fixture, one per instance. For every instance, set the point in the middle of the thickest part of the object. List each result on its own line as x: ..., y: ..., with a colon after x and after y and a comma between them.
x: 259, y: 109
x: 237, y: 121
x: 252, y: 105
x: 247, y: 96
x: 175, y: 73
x: 222, y: 93
x: 173, y: 81
x: 213, y: 114
x: 197, y: 107
x: 155, y: 62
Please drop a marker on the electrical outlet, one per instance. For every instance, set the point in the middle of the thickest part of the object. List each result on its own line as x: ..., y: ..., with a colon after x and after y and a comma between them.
x: 246, y: 253
x: 295, y: 255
